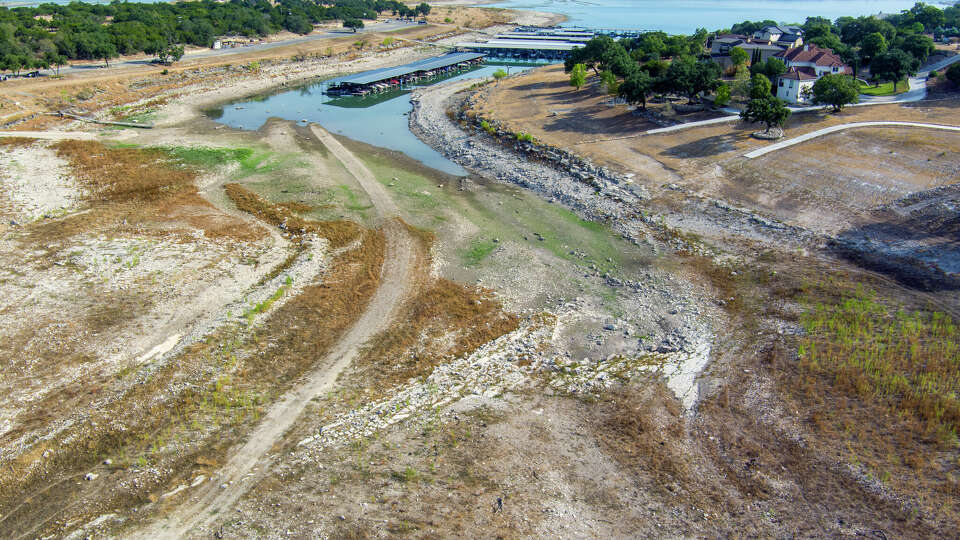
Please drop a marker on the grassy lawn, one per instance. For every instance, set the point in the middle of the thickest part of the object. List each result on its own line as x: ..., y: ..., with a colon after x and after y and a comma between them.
x: 885, y: 89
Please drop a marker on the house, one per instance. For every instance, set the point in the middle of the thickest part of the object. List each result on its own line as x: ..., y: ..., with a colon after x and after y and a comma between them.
x: 795, y: 85
x: 721, y: 45
x: 788, y: 36
x: 805, y: 65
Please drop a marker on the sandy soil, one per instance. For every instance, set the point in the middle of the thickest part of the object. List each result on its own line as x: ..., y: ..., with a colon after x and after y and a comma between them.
x: 34, y: 182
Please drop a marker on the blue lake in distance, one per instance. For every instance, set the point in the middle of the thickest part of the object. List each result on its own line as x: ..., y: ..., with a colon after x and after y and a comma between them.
x: 685, y: 16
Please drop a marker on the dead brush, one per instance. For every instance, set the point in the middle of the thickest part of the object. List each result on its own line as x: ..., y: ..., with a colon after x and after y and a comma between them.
x: 443, y: 321
x: 339, y: 233
x: 295, y: 338
x: 130, y: 190
x: 16, y: 142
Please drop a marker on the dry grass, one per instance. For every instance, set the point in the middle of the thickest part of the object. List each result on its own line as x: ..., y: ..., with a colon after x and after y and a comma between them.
x: 203, y: 400
x: 193, y: 408
x: 16, y: 142
x: 339, y: 233
x: 443, y: 321
x: 296, y: 207
x: 135, y: 191
x: 468, y: 17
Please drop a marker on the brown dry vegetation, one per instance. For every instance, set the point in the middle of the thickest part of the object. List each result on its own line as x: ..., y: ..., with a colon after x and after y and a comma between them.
x: 134, y: 191
x: 467, y: 17
x: 848, y: 445
x: 183, y: 417
x: 339, y: 233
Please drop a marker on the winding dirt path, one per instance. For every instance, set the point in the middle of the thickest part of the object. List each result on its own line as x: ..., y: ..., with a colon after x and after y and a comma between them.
x: 242, y: 470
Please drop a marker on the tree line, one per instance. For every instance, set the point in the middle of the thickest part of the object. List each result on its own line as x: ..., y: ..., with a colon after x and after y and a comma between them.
x: 634, y: 69
x: 49, y: 34
x: 891, y: 47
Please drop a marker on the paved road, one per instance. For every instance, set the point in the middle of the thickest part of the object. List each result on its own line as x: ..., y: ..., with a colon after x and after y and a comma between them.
x: 832, y: 129
x: 194, y: 55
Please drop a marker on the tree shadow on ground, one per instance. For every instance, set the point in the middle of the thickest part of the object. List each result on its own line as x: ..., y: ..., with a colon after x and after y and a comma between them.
x: 709, y: 146
x: 584, y: 122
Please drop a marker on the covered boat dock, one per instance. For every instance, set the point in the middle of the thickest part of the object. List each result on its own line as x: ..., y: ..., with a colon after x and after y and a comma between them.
x: 385, y: 79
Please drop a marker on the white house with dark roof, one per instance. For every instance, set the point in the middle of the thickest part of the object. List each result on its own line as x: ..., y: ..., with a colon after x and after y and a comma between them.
x: 805, y: 65
x: 795, y: 85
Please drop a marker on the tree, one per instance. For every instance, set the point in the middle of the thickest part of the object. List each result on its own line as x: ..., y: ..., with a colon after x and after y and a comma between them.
x: 771, y: 68
x: 893, y: 65
x: 919, y: 46
x: 740, y: 86
x: 499, y: 75
x: 578, y: 76
x: 768, y: 109
x: 104, y: 50
x: 609, y: 82
x: 760, y: 87
x: 738, y: 56
x: 353, y: 24
x: 595, y: 54
x: 689, y: 77
x: 723, y: 96
x: 423, y: 9
x: 953, y: 74
x: 836, y: 90
x: 872, y: 45
x: 929, y: 16
x: 637, y: 87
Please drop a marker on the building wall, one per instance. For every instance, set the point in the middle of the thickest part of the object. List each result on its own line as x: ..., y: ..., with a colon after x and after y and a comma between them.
x: 791, y: 90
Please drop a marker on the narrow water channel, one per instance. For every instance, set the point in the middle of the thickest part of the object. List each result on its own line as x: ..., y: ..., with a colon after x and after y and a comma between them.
x: 377, y: 120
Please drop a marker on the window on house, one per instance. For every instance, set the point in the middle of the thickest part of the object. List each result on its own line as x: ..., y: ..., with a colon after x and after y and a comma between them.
x: 781, y: 82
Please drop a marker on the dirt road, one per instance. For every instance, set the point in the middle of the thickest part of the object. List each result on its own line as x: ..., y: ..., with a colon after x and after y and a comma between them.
x: 244, y: 467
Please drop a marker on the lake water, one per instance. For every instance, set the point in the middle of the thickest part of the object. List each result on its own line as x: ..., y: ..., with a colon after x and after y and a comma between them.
x: 685, y: 16
x: 383, y: 124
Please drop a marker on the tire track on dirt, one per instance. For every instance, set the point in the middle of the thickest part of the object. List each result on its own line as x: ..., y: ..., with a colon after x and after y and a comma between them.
x: 239, y: 474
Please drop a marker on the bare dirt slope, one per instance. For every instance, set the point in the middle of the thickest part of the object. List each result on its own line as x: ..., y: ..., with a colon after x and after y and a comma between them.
x: 238, y: 474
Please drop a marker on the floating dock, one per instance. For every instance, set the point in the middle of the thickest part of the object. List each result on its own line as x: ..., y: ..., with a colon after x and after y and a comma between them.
x: 386, y: 79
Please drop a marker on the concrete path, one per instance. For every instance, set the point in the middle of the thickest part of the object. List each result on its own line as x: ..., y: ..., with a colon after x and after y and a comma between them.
x: 248, y: 463
x: 833, y: 129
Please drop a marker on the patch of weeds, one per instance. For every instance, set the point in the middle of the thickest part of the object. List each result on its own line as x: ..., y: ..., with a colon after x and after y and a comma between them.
x: 206, y: 157
x: 353, y: 200
x: 408, y: 475
x: 910, y: 360
x: 265, y: 305
x: 478, y: 251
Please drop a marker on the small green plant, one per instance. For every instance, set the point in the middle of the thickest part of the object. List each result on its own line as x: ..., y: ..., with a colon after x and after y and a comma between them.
x: 487, y: 127
x: 524, y: 137
x: 253, y: 67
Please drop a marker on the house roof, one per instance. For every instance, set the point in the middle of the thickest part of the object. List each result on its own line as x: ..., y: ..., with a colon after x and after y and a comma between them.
x: 761, y: 46
x: 796, y: 30
x: 812, y: 54
x: 800, y: 74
